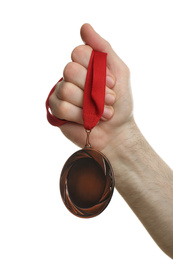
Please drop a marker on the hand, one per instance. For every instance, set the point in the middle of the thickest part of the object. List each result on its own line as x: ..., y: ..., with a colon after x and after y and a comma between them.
x: 67, y: 100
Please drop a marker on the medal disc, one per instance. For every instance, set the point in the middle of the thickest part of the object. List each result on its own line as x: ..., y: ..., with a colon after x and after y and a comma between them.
x: 87, y: 183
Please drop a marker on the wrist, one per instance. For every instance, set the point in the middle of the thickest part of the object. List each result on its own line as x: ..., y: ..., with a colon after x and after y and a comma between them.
x: 124, y: 149
x: 123, y: 138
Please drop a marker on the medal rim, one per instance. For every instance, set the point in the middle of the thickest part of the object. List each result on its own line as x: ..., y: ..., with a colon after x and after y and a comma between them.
x: 70, y: 205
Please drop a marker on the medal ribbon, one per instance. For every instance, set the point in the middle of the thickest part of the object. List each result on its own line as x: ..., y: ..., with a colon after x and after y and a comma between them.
x: 94, y: 93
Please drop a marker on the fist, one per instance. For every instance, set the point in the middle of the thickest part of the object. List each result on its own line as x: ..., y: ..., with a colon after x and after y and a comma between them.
x: 67, y: 100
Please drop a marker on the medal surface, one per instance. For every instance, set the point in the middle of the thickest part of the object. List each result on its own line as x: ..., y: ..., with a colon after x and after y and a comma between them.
x: 87, y: 183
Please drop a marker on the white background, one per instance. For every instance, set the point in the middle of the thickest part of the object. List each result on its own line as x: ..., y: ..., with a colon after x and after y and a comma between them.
x: 36, y: 40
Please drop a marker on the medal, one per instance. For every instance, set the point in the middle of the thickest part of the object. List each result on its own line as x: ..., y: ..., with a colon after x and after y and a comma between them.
x: 87, y: 180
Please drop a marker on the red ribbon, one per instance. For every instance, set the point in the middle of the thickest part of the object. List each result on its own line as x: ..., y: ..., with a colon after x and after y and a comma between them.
x: 94, y: 93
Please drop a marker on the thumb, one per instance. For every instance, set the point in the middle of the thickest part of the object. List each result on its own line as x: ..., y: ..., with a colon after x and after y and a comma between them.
x: 96, y: 42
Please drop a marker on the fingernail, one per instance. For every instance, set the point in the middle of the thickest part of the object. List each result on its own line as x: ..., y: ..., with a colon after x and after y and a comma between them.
x: 110, y: 82
x: 108, y: 112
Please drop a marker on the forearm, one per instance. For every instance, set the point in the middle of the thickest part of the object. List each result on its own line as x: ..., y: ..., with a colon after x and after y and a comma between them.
x: 145, y: 182
x: 141, y: 177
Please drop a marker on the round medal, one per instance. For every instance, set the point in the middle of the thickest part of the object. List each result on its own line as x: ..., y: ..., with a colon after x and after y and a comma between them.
x: 87, y: 183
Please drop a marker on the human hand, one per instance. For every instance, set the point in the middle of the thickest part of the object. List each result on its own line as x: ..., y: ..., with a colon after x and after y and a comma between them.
x: 67, y: 100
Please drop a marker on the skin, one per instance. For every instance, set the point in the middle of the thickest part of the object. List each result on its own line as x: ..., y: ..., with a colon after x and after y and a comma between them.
x: 141, y: 176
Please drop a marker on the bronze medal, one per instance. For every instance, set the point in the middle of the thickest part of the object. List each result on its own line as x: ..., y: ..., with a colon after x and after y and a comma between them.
x: 87, y: 183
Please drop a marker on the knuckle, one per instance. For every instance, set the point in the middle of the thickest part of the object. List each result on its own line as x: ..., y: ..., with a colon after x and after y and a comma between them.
x: 68, y: 70
x: 51, y: 101
x: 127, y: 71
x: 64, y: 91
x: 108, y: 46
x: 75, y: 53
x: 62, y: 110
x: 59, y: 108
x: 81, y: 51
x: 52, y: 104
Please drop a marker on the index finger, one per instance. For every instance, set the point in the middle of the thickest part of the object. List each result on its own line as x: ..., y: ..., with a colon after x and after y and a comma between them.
x: 82, y: 54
